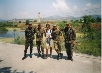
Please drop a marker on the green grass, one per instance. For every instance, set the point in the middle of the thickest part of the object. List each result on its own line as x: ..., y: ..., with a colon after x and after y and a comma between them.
x: 90, y: 47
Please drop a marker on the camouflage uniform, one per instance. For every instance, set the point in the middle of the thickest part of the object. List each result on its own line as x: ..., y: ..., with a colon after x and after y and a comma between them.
x: 70, y: 37
x: 39, y: 40
x: 29, y: 36
x: 57, y: 42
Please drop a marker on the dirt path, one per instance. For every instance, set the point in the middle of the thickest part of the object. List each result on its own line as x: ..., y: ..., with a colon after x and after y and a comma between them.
x: 11, y: 62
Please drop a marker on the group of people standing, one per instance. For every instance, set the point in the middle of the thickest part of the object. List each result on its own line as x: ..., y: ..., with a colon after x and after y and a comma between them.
x: 53, y: 37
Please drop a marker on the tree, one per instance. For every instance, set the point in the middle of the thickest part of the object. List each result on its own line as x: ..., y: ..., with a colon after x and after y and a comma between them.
x: 64, y: 21
x: 27, y: 22
x: 35, y: 20
x: 98, y: 19
x: 19, y: 21
x: 71, y: 20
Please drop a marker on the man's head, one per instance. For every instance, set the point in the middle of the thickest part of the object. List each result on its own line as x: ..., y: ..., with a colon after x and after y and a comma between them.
x: 68, y: 25
x: 39, y: 25
x: 55, y: 26
x: 30, y: 25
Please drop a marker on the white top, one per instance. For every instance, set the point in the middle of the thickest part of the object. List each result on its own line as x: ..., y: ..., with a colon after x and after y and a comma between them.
x: 48, y: 33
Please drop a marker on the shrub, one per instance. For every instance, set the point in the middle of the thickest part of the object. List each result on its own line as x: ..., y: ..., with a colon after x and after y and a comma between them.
x: 3, y: 30
x: 19, y: 40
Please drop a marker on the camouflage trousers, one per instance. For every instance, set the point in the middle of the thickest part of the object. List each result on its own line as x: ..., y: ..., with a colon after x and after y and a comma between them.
x: 40, y: 44
x: 27, y: 44
x: 57, y: 46
x: 69, y: 49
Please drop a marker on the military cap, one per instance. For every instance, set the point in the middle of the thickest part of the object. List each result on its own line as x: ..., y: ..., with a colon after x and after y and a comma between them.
x: 55, y: 25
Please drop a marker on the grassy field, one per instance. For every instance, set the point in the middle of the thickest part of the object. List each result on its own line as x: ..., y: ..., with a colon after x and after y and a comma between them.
x: 18, y: 29
x: 6, y: 40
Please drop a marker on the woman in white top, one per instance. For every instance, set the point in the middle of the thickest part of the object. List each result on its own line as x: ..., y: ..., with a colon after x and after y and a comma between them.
x: 49, y: 42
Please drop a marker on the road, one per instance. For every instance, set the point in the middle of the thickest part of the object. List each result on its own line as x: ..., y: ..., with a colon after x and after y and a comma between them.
x: 11, y: 62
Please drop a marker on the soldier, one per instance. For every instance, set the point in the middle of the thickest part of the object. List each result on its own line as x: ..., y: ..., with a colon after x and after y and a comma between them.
x: 29, y: 37
x: 39, y: 40
x: 57, y: 41
x: 70, y: 37
x: 49, y: 42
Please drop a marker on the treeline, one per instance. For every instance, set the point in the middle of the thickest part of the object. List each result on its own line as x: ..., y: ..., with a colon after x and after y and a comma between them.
x: 88, y: 18
x: 91, y: 41
x: 7, y: 24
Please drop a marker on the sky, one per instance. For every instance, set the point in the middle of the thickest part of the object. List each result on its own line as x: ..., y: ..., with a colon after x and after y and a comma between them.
x: 25, y: 9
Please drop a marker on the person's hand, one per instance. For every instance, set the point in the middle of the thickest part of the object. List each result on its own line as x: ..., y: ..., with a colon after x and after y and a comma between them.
x: 74, y: 42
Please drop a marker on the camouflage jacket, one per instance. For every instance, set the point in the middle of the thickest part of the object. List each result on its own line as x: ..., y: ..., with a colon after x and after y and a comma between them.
x: 69, y: 35
x: 29, y: 34
x: 56, y: 35
x: 39, y: 34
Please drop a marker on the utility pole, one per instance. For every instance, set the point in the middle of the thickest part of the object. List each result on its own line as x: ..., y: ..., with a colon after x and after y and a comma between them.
x: 14, y: 30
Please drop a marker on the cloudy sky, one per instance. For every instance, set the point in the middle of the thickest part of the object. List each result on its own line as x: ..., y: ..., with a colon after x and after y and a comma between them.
x: 22, y: 9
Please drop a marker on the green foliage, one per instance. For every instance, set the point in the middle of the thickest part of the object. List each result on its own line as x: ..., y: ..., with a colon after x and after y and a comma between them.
x: 27, y: 22
x: 71, y: 20
x: 74, y: 24
x: 35, y: 20
x: 6, y: 24
x: 3, y: 30
x: 61, y: 24
x: 88, y: 19
x: 98, y: 19
x: 19, y: 40
x: 64, y: 21
x: 90, y: 43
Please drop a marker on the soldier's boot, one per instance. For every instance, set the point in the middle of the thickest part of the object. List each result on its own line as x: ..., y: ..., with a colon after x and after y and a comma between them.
x: 42, y: 55
x: 30, y: 55
x: 50, y: 52
x: 71, y: 58
x: 39, y: 53
x: 61, y: 55
x: 24, y: 55
x: 58, y: 56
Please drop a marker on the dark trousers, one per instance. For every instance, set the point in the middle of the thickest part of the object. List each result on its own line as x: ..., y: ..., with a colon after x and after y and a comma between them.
x: 27, y: 44
x: 40, y: 44
x: 69, y: 51
x: 57, y: 46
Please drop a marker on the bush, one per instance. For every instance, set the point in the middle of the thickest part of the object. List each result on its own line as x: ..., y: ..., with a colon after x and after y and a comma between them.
x: 89, y: 46
x: 3, y: 30
x: 61, y: 25
x: 19, y: 40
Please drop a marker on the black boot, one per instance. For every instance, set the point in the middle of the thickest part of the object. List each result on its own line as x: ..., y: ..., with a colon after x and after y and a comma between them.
x: 30, y: 55
x: 70, y: 58
x: 24, y: 55
x: 42, y: 55
x: 61, y: 55
x: 58, y: 56
x: 39, y: 53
